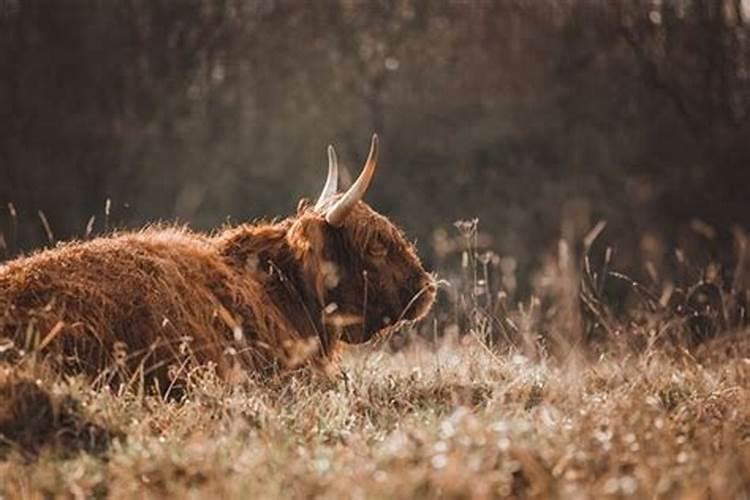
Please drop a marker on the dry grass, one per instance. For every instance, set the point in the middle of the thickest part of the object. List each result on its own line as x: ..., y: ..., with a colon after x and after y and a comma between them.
x: 454, y: 421
x: 555, y: 398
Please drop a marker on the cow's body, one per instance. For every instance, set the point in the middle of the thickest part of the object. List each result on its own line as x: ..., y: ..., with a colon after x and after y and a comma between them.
x: 152, y: 297
x: 256, y: 297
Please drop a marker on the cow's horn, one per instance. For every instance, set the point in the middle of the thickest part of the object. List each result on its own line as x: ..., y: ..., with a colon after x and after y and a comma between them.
x: 332, y: 182
x: 337, y: 213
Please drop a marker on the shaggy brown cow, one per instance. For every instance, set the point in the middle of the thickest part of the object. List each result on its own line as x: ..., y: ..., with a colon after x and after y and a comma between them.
x: 257, y: 297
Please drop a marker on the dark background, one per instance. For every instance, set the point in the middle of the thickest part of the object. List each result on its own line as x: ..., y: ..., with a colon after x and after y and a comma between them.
x: 525, y: 114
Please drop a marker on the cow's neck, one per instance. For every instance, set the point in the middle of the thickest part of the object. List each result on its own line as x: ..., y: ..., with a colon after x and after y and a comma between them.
x: 263, y: 252
x: 292, y: 294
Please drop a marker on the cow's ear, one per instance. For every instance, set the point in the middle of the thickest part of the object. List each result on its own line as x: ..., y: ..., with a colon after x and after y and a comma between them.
x: 303, y: 205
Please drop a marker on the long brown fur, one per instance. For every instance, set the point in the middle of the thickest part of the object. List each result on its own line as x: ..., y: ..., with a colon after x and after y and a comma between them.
x: 257, y: 297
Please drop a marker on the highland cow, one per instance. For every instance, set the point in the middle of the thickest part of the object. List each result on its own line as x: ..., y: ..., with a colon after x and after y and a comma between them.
x: 258, y: 297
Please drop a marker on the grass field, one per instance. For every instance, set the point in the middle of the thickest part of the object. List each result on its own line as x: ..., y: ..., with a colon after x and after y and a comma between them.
x: 455, y: 421
x: 569, y: 400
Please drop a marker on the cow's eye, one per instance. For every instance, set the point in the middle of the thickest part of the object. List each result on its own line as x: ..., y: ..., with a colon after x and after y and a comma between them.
x: 377, y: 250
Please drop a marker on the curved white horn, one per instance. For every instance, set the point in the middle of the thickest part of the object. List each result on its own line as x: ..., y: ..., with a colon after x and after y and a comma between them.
x: 332, y: 182
x: 337, y: 213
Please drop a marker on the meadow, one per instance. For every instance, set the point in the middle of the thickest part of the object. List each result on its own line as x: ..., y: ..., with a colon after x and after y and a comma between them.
x: 563, y: 358
x: 562, y: 395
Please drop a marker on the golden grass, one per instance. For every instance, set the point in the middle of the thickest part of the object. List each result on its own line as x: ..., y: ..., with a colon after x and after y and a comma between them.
x: 564, y: 396
x: 453, y: 421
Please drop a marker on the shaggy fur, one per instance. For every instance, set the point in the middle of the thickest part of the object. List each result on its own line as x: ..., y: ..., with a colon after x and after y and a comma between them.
x: 147, y: 305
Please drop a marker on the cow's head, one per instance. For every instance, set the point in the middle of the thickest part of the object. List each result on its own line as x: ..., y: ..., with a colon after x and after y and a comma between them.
x: 366, y: 276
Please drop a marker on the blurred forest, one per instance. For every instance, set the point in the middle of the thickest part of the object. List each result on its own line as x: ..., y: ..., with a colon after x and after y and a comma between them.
x: 538, y: 117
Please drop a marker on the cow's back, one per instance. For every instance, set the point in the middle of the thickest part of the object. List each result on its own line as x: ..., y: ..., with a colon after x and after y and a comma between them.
x: 144, y: 299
